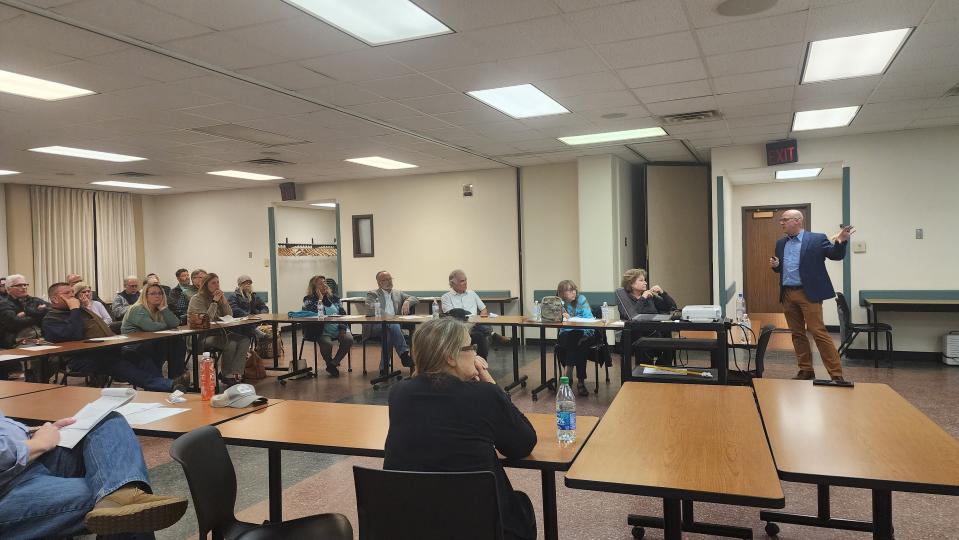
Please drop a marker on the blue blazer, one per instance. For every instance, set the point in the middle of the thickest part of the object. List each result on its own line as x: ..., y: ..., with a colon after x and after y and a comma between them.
x: 815, y: 249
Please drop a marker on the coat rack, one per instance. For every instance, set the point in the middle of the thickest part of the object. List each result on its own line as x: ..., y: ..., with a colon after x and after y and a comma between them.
x: 288, y: 249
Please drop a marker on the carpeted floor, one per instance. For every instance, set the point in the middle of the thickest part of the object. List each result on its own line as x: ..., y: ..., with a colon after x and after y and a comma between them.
x: 315, y: 483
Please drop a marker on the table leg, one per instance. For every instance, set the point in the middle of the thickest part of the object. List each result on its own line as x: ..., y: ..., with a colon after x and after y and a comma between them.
x: 823, y: 518
x: 544, y: 382
x: 672, y: 520
x: 502, y: 311
x: 626, y: 365
x: 517, y: 380
x: 386, y: 358
x: 550, y: 523
x: 870, y: 317
x: 195, y: 353
x: 276, y: 347
x: 882, y: 514
x: 275, y: 485
x: 294, y: 372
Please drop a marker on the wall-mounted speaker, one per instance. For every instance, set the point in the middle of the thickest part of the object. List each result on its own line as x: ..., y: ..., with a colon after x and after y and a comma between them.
x: 288, y: 191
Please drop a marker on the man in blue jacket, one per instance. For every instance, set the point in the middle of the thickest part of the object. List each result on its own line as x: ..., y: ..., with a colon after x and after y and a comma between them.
x: 800, y: 262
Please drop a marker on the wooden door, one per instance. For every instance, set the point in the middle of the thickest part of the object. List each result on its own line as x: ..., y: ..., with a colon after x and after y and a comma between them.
x: 760, y: 231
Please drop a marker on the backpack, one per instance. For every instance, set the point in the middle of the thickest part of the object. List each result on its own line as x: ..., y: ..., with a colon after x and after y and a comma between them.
x: 552, y: 309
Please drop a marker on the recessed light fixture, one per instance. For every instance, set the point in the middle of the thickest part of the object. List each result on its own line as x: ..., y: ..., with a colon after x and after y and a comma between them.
x: 824, y: 118
x: 520, y: 101
x: 852, y: 56
x: 381, y: 162
x: 131, y: 185
x: 88, y: 154
x: 793, y: 174
x: 6, y: 173
x: 610, y: 136
x: 324, y: 204
x: 32, y: 87
x: 375, y: 22
x: 246, y: 175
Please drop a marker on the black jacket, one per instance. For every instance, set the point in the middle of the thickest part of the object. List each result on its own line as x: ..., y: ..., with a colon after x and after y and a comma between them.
x: 629, y: 307
x: 443, y: 424
x: 32, y: 307
x: 63, y: 325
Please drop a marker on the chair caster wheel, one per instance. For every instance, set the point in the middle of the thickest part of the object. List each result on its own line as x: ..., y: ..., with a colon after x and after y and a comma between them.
x: 399, y: 377
x: 522, y: 384
x: 535, y: 397
x: 282, y: 383
x: 772, y: 529
x: 638, y: 532
x: 349, y: 370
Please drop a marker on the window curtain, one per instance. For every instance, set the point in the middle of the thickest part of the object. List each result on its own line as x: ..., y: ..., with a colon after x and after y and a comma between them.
x: 116, y: 241
x: 62, y: 235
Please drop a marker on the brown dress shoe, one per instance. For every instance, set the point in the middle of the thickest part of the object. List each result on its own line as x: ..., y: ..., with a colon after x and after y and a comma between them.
x: 805, y: 375
x: 132, y: 510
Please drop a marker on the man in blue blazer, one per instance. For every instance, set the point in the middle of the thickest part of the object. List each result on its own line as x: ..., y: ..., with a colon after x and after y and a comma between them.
x: 800, y: 262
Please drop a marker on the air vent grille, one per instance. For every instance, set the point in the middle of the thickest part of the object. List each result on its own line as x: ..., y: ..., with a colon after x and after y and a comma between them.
x: 132, y: 174
x: 269, y: 161
x: 698, y: 116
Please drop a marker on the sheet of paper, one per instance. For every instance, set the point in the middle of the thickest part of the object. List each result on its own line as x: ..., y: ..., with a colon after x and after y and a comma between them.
x: 40, y: 347
x: 91, y: 414
x: 581, y: 319
x: 413, y: 317
x: 654, y: 371
x: 616, y: 324
x: 11, y: 357
x: 226, y: 319
x: 170, y: 332
x: 138, y: 414
x: 109, y: 338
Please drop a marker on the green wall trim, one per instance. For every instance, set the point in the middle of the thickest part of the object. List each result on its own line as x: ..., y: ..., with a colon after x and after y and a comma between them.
x: 271, y: 222
x: 595, y: 298
x: 731, y: 290
x: 482, y: 294
x: 339, y: 250
x: 907, y: 295
x: 721, y: 236
x: 846, y: 219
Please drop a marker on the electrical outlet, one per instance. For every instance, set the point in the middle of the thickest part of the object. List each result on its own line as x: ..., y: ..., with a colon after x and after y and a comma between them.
x: 859, y: 246
x: 266, y: 263
x: 918, y: 234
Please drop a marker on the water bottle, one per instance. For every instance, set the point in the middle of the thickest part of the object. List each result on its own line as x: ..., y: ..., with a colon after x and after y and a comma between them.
x: 537, y: 311
x: 377, y: 310
x: 436, y: 309
x: 565, y: 412
x: 207, y: 377
x: 605, y: 311
x: 747, y: 327
x: 740, y: 307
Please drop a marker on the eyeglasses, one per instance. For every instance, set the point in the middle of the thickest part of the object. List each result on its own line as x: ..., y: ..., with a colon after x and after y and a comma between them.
x: 154, y: 293
x: 18, y: 286
x: 785, y: 219
x: 468, y: 348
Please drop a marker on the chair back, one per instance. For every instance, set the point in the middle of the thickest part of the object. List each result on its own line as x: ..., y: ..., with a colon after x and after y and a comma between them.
x: 845, y: 318
x: 402, y: 505
x: 210, y: 475
x: 761, y: 343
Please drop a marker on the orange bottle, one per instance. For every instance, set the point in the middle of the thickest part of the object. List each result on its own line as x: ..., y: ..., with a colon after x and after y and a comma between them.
x: 207, y: 377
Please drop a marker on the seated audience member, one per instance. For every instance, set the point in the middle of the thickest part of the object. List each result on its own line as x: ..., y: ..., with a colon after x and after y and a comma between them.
x: 392, y: 302
x: 187, y: 285
x: 461, y: 297
x: 3, y: 288
x: 153, y: 279
x: 320, y: 298
x: 73, y: 279
x: 245, y: 302
x: 68, y: 321
x: 151, y: 314
x: 100, y: 486
x: 21, y: 316
x: 634, y: 298
x: 210, y: 299
x: 84, y: 294
x: 451, y: 417
x: 126, y: 298
x: 574, y: 343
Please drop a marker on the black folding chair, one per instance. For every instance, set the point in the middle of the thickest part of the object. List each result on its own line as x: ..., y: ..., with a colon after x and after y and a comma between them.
x: 849, y: 331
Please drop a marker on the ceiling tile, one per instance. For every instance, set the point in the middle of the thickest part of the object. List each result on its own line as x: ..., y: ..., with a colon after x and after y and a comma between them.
x: 220, y: 49
x: 525, y: 38
x: 290, y: 76
x: 768, y: 95
x: 668, y: 92
x: 860, y: 87
x: 227, y: 112
x: 479, y: 76
x: 630, y: 20
x: 898, y: 93
x: 690, y: 129
x: 557, y: 64
x: 599, y: 100
x: 474, y: 116
x: 682, y: 105
x: 406, y: 86
x: 133, y: 19
x: 658, y: 74
x: 359, y: 65
x: 464, y: 15
x: 385, y: 110
x: 864, y: 16
x: 443, y: 103
x: 756, y: 81
x: 767, y: 58
x: 703, y: 13
x: 616, y: 114
x: 751, y: 34
x: 342, y: 95
x: 942, y: 11
x: 651, y: 50
x: 436, y: 53
x: 148, y: 64
x: 587, y: 83
x: 295, y: 39
x: 418, y: 123
x: 227, y: 14
x: 757, y: 109
x: 99, y: 78
x: 761, y: 120
x: 56, y: 37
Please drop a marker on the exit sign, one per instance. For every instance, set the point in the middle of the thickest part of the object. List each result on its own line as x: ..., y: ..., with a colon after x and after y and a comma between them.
x: 780, y: 152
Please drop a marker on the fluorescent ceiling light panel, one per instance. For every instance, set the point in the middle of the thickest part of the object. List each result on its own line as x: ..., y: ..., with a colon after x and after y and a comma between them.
x: 520, y: 101
x: 610, y: 136
x: 824, y: 118
x: 6, y: 173
x: 793, y: 174
x: 132, y: 185
x: 246, y: 175
x: 375, y: 22
x: 32, y: 87
x: 381, y: 163
x: 88, y: 154
x: 324, y: 204
x: 852, y: 56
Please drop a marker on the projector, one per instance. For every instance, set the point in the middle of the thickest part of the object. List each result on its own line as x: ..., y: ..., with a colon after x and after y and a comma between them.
x: 702, y: 313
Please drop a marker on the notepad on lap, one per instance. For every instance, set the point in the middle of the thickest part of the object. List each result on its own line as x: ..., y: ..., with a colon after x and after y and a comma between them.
x: 91, y: 414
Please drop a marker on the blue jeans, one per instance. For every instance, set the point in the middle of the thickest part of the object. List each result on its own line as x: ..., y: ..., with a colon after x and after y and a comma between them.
x: 397, y: 342
x: 59, y: 488
x: 171, y: 351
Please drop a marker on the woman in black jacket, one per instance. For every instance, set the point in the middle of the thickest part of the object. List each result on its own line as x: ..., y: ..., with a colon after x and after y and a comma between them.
x: 451, y: 417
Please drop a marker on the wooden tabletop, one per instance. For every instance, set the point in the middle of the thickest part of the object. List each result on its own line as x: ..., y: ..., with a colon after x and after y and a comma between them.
x: 16, y: 388
x: 57, y: 404
x: 693, y: 442
x: 360, y: 430
x: 914, y: 301
x: 868, y: 436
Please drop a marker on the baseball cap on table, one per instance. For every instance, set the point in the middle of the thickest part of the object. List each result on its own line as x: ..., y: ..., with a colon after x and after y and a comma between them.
x: 238, y: 396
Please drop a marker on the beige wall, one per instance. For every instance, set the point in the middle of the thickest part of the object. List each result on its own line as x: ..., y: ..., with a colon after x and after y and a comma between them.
x: 899, y: 181
x: 19, y: 231
x: 3, y: 232
x: 678, y: 231
x: 294, y: 272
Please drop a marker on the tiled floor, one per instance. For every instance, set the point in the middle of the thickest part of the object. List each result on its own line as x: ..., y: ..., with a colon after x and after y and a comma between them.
x: 316, y: 483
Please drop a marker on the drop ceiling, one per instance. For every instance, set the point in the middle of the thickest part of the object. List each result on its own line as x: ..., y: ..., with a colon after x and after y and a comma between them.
x: 167, y: 71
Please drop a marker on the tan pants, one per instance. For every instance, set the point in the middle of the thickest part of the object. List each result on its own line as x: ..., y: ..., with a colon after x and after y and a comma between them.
x: 803, y: 315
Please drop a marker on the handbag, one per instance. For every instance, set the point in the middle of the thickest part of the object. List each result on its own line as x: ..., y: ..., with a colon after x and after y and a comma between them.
x: 552, y: 309
x: 254, y: 370
x: 198, y: 321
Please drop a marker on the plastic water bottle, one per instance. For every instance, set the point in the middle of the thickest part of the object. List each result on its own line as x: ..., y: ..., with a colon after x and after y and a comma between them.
x: 605, y: 311
x: 537, y: 311
x: 746, y: 324
x: 436, y: 309
x: 740, y: 307
x: 207, y: 378
x: 377, y: 310
x: 565, y: 412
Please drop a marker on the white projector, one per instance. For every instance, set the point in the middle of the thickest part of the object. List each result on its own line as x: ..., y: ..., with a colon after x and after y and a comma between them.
x: 702, y: 313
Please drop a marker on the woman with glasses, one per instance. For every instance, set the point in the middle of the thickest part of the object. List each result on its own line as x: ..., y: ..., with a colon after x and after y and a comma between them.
x: 320, y: 298
x: 151, y: 314
x: 451, y: 417
x: 84, y: 294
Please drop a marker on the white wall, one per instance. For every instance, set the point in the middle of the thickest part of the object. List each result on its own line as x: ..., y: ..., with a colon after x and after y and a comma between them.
x: 604, y: 195
x: 899, y: 181
x: 299, y: 225
x: 4, y: 269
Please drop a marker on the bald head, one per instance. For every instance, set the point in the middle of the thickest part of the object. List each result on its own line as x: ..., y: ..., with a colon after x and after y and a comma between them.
x: 791, y: 222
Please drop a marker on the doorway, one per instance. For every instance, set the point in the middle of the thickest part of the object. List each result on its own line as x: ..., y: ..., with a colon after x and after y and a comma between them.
x: 760, y: 232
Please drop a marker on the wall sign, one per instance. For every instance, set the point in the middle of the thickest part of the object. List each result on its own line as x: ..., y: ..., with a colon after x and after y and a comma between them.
x: 780, y: 152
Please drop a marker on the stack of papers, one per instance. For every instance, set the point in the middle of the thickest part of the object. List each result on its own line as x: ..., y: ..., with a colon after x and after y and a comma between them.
x: 109, y: 338
x: 11, y: 357
x: 40, y: 347
x: 138, y: 414
x: 581, y: 319
x: 91, y: 414
x: 177, y: 331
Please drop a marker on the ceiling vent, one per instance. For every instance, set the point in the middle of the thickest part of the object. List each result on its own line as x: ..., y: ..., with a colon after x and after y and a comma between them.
x: 683, y: 118
x: 268, y: 161
x: 132, y: 174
